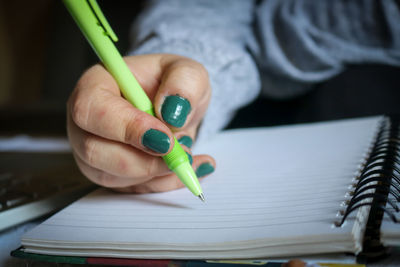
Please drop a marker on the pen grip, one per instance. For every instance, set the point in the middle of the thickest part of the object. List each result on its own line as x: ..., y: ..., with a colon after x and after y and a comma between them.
x: 176, y: 156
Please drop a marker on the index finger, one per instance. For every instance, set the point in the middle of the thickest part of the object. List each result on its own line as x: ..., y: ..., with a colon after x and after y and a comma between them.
x: 97, y: 107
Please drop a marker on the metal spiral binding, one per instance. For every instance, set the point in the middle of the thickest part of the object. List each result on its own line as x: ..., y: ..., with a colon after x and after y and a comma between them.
x: 380, y: 175
x: 378, y: 185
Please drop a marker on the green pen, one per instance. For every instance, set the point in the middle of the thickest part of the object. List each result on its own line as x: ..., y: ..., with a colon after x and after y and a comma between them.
x: 90, y: 19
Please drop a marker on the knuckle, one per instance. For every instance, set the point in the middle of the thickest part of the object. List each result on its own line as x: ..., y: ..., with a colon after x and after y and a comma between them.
x: 194, y: 71
x: 133, y: 125
x: 89, y: 150
x: 96, y: 176
x: 202, y: 71
x: 122, y: 165
x: 192, y: 74
x: 79, y: 103
x: 151, y: 167
x: 79, y: 111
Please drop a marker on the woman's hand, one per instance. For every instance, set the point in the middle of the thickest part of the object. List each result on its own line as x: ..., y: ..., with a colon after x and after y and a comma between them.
x: 118, y: 146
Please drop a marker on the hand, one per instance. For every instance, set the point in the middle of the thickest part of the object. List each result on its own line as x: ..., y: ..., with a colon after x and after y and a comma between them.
x: 118, y: 146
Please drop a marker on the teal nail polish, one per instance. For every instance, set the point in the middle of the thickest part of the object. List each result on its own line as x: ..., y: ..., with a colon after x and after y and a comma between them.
x: 204, y: 169
x: 156, y: 141
x: 186, y: 140
x: 190, y: 158
x: 174, y: 110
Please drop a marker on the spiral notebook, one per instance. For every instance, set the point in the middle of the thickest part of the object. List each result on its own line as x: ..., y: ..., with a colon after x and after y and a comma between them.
x: 281, y: 191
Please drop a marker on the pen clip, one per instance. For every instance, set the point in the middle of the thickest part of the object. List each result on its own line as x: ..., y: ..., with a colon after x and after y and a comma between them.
x: 102, y: 20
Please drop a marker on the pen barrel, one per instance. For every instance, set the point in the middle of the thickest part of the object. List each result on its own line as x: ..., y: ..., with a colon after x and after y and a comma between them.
x: 108, y: 54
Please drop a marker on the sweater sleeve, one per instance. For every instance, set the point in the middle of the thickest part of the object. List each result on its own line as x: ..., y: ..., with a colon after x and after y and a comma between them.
x: 302, y: 42
x: 214, y: 33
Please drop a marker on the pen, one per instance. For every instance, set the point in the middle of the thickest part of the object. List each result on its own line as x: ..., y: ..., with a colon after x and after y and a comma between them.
x: 94, y: 26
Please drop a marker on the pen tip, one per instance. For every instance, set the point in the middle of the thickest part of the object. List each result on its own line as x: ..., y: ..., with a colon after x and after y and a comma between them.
x: 201, y: 196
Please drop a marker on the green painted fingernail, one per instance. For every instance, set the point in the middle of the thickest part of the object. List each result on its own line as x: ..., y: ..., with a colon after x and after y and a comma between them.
x: 156, y: 141
x: 175, y: 109
x: 186, y: 140
x: 190, y: 158
x: 204, y: 169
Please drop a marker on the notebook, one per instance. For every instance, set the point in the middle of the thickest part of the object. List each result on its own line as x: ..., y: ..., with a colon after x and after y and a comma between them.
x: 279, y: 191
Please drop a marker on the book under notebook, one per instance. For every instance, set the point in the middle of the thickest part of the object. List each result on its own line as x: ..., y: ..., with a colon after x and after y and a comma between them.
x: 276, y: 191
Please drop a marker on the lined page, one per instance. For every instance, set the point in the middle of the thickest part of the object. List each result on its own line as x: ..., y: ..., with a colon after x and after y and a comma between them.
x: 272, y: 187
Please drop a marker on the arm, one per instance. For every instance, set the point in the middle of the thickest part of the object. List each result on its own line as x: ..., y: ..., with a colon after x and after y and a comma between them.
x: 214, y: 33
x: 305, y: 42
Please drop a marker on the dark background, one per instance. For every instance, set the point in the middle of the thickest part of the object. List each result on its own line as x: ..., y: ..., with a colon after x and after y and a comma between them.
x: 43, y: 54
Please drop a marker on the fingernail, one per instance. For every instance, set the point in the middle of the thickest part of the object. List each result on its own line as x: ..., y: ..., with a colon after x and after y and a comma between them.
x: 204, y: 169
x: 190, y: 158
x: 186, y: 140
x: 156, y: 141
x: 175, y: 109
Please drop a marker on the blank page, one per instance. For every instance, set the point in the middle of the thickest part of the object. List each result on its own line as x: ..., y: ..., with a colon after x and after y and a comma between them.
x: 273, y: 189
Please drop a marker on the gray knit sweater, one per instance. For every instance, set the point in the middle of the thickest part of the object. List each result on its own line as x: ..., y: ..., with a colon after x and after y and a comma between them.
x: 276, y: 47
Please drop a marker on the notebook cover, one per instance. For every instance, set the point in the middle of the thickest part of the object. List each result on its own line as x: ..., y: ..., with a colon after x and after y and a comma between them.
x: 19, y: 253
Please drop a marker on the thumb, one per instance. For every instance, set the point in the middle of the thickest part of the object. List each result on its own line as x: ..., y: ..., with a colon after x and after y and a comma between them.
x: 183, y: 94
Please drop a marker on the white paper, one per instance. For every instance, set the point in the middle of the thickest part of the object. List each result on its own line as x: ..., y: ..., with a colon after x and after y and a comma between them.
x: 275, y: 191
